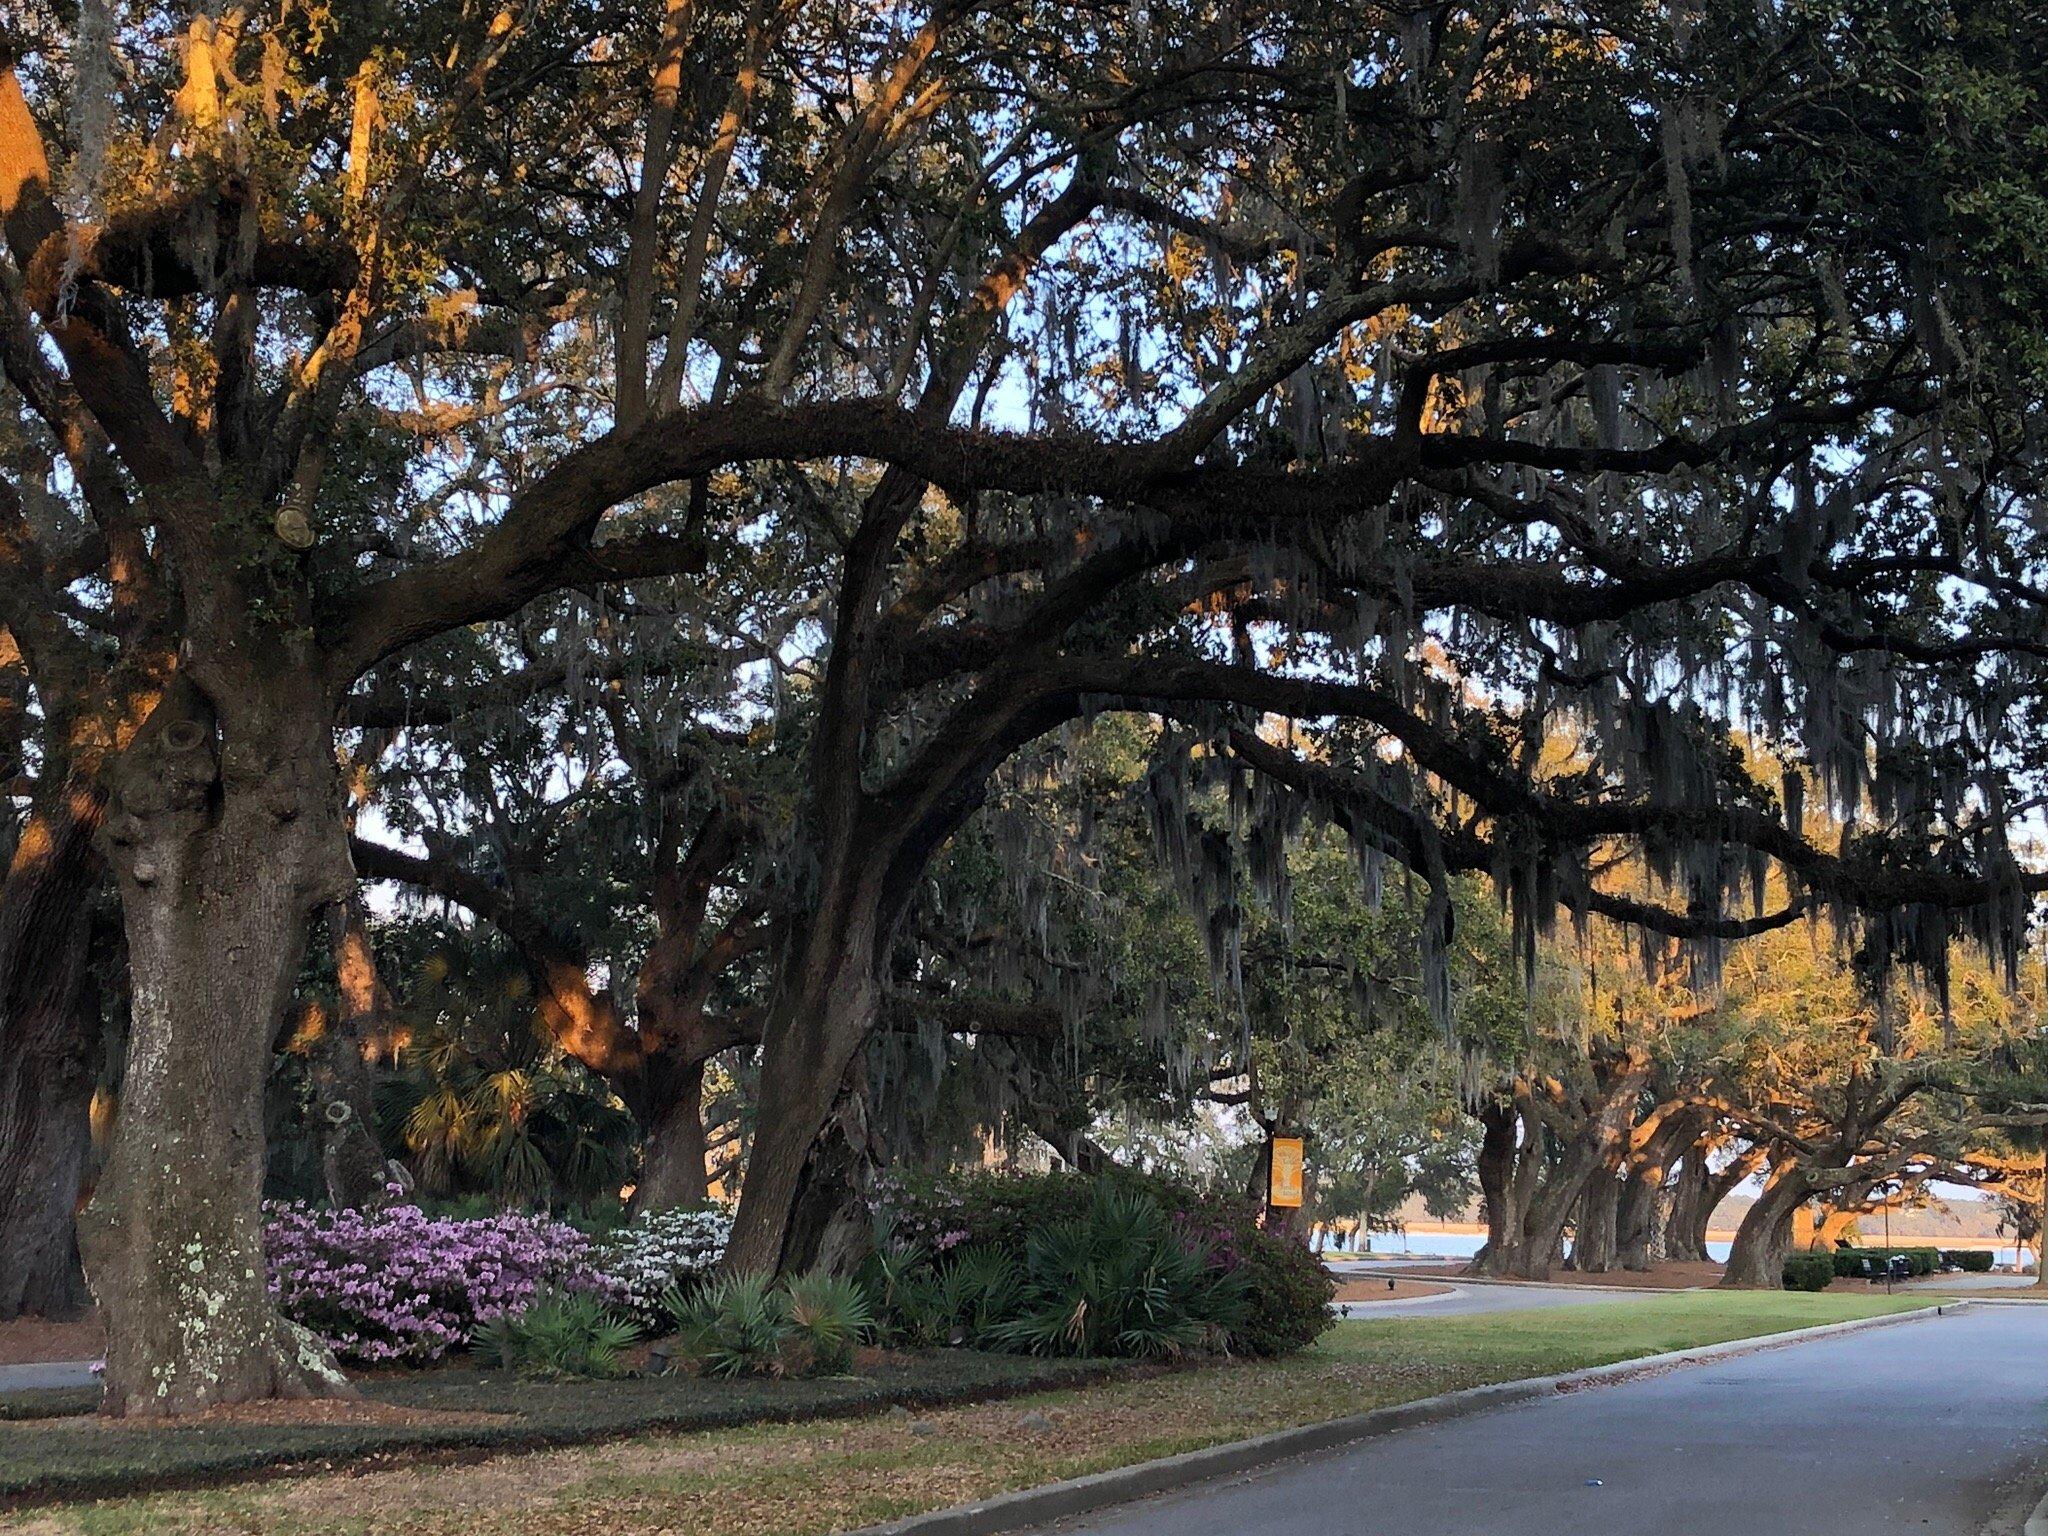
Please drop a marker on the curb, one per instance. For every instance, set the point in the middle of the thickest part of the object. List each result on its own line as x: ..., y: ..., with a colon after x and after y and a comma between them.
x: 1031, y: 1507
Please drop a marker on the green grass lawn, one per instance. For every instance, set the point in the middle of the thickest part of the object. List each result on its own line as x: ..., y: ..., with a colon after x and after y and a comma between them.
x: 828, y: 1475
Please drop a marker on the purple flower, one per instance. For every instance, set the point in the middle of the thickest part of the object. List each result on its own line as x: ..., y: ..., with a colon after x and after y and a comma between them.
x: 398, y: 1285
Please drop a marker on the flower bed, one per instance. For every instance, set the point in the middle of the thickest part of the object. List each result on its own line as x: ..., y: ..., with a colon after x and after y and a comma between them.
x: 396, y: 1284
x: 658, y: 1249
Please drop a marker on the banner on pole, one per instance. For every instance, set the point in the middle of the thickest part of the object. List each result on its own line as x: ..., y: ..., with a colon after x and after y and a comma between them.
x: 1286, y: 1172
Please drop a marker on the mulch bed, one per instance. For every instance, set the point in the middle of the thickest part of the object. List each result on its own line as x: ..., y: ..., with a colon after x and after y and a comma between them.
x: 34, y: 1341
x: 1366, y: 1290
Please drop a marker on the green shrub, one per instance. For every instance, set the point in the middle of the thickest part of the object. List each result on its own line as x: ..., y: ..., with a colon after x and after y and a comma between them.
x: 1122, y: 1280
x: 828, y: 1315
x: 1976, y: 1261
x: 1851, y: 1261
x: 559, y: 1333
x: 906, y: 1291
x: 736, y: 1325
x: 1809, y: 1272
x: 1287, y: 1295
x: 1286, y: 1291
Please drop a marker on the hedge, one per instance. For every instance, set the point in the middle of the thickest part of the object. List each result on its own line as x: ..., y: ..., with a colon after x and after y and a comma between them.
x: 1976, y: 1260
x: 1809, y: 1272
x: 1919, y: 1261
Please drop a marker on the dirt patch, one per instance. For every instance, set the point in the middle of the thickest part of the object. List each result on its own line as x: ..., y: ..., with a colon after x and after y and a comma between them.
x: 1355, y: 1289
x: 1665, y: 1277
x: 36, y: 1341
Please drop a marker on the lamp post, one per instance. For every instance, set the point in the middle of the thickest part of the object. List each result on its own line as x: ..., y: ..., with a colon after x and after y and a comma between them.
x: 1883, y: 1190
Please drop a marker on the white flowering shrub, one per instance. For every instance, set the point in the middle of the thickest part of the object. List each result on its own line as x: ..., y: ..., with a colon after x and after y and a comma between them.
x: 658, y: 1249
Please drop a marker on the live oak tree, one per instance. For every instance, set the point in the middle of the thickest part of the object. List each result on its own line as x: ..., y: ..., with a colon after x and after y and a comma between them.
x: 591, y: 799
x: 1648, y: 366
x: 1852, y: 1099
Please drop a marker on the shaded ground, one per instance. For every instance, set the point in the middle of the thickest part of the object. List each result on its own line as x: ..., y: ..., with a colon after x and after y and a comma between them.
x: 1938, y: 1427
x: 808, y: 1479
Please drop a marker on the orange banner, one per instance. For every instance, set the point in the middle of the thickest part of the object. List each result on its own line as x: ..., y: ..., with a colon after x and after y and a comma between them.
x: 1286, y: 1180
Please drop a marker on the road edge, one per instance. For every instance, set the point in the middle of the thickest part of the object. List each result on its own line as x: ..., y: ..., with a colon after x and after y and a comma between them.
x: 2037, y: 1522
x: 1027, y: 1508
x: 1533, y: 1285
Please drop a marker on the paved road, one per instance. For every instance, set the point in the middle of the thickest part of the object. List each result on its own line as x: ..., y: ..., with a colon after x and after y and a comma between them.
x: 1467, y: 1298
x: 1935, y: 1427
x: 1486, y: 1298
x: 25, y: 1378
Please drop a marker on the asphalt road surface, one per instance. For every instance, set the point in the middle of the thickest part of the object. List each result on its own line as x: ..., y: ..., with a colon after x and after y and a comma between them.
x: 1939, y: 1427
x: 1486, y: 1298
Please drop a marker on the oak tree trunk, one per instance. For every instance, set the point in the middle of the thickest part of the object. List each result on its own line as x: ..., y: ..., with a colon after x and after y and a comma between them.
x: 226, y: 836
x: 49, y: 1048
x: 673, y: 1158
x: 1757, y: 1259
x: 1639, y: 1219
x: 352, y: 1161
x: 1496, y: 1166
x: 827, y: 999
x: 2041, y: 1226
x: 829, y: 1225
x: 1685, y: 1232
x: 1594, y: 1248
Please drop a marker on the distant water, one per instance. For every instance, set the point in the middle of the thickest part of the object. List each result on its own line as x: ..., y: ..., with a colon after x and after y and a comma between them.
x: 1462, y: 1245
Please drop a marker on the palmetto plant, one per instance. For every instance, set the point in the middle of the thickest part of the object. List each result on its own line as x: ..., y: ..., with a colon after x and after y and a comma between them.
x: 500, y: 1113
x: 909, y: 1306
x: 1123, y: 1280
x: 828, y: 1315
x: 980, y: 1292
x: 736, y: 1325
x: 560, y: 1334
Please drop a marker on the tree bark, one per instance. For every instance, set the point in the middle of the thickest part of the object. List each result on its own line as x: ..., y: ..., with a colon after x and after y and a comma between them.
x: 225, y: 834
x: 1645, y: 1205
x: 829, y: 1226
x: 673, y: 1157
x: 1639, y: 1219
x: 1595, y: 1250
x: 49, y: 1044
x: 1541, y: 1195
x: 1073, y: 1145
x: 1757, y: 1259
x: 1496, y: 1166
x: 2041, y: 1227
x: 1685, y: 1231
x: 828, y: 996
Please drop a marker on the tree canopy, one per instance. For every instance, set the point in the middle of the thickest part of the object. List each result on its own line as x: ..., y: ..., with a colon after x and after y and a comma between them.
x: 1372, y: 393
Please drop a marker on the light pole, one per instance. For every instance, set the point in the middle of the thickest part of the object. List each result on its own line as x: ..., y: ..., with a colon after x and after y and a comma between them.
x: 1883, y: 1189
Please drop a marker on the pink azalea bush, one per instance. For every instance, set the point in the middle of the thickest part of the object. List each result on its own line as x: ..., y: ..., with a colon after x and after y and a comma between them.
x: 396, y: 1284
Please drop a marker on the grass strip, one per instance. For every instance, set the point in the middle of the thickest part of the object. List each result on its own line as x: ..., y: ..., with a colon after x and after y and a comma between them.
x: 808, y: 1479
